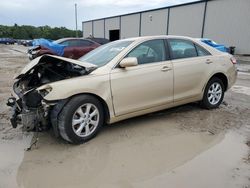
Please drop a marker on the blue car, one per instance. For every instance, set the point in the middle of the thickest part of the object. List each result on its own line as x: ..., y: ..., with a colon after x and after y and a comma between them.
x: 220, y: 47
x: 7, y: 41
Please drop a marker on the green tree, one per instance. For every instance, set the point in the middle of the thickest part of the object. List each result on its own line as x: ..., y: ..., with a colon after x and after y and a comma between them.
x: 31, y: 32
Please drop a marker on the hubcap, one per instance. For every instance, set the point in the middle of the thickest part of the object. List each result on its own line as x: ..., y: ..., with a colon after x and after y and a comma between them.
x: 214, y: 93
x: 85, y: 120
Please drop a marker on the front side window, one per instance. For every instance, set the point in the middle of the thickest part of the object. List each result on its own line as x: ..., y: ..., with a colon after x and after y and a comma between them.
x: 149, y: 52
x: 182, y: 48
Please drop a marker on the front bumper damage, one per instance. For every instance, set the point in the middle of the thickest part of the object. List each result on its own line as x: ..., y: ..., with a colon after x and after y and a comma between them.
x: 35, y: 118
x: 28, y: 105
x: 30, y: 117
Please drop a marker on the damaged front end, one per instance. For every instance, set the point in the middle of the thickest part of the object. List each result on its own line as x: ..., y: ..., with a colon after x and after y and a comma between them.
x: 30, y: 87
x: 28, y: 109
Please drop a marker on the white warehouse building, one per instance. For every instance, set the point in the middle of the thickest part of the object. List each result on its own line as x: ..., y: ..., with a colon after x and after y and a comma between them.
x: 225, y: 21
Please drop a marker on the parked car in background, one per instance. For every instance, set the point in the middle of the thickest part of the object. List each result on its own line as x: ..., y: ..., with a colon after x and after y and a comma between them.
x: 7, y: 41
x: 116, y: 81
x: 99, y: 40
x: 72, y: 48
x: 212, y: 43
x: 26, y: 42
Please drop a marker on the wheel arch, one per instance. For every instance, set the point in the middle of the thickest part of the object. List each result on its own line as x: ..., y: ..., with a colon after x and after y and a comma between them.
x: 222, y: 77
x: 103, y: 102
x: 57, y: 109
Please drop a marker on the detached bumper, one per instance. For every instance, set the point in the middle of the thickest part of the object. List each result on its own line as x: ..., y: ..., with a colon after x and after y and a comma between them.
x: 34, y: 118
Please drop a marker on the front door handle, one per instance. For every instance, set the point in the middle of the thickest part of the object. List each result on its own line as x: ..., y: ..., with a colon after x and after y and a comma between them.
x: 166, y: 68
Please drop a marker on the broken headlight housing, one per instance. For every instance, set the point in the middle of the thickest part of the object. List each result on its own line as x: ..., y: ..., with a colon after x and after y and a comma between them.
x: 44, y: 90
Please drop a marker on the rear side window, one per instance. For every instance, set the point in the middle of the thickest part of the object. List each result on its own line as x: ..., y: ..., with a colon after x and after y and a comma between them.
x: 201, y: 51
x: 182, y: 48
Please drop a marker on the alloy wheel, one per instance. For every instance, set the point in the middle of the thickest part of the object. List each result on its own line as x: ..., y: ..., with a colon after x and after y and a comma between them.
x: 214, y: 93
x: 85, y: 120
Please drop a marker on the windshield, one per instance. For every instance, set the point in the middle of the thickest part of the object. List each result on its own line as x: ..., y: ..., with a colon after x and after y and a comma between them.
x: 103, y: 54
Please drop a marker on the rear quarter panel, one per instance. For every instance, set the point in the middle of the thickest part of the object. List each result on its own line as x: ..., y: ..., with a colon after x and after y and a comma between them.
x: 222, y: 64
x: 225, y: 66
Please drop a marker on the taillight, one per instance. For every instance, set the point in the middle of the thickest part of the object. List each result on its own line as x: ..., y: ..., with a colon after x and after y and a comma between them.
x: 233, y: 60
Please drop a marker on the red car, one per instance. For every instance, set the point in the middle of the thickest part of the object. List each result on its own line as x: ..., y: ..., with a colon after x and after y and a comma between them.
x: 74, y: 48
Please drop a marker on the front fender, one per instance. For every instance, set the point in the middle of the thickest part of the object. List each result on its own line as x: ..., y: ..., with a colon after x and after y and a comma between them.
x: 63, y: 89
x: 92, y: 84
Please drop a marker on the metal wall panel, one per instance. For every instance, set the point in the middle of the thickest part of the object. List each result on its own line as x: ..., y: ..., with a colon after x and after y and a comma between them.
x: 111, y: 24
x: 87, y: 29
x: 186, y: 20
x: 130, y: 26
x: 98, y: 29
x: 228, y: 22
x: 154, y: 22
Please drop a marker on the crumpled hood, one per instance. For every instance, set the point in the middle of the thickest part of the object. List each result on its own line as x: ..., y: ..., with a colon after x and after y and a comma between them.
x: 40, y: 59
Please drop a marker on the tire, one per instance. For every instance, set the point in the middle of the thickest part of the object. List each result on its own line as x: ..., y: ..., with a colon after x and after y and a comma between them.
x: 80, y: 119
x: 213, y: 94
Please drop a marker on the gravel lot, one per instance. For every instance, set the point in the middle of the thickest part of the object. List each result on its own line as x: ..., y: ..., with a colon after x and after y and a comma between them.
x: 181, y: 147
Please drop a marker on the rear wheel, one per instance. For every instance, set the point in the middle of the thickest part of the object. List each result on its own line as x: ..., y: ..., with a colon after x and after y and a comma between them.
x: 213, y: 94
x: 81, y: 119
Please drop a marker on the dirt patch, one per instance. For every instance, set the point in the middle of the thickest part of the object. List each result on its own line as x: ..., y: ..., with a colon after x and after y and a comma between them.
x: 112, y: 159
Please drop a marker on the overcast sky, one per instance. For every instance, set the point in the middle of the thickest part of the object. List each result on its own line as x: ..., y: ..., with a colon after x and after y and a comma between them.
x: 61, y: 12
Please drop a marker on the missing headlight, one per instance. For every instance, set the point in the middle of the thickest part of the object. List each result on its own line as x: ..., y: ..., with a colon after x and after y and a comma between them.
x: 32, y: 99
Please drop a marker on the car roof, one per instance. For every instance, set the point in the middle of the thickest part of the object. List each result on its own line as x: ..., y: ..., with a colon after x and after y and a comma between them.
x: 72, y: 38
x: 157, y: 37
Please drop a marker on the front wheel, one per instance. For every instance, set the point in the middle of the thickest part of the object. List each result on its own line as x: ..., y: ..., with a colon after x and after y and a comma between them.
x: 80, y: 119
x: 213, y: 94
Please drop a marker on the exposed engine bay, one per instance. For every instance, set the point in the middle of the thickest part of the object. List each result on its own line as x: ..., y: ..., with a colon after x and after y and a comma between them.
x: 29, y: 108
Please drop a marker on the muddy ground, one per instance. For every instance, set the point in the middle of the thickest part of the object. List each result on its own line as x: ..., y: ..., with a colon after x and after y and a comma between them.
x: 181, y: 147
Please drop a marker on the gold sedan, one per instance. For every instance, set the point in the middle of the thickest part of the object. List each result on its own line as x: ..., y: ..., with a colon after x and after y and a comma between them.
x: 116, y: 81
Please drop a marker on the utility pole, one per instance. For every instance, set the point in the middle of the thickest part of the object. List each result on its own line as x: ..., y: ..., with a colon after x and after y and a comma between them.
x: 76, y: 18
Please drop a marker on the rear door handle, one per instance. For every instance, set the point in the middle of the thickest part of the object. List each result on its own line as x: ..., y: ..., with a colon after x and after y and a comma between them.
x: 209, y: 61
x: 166, y: 68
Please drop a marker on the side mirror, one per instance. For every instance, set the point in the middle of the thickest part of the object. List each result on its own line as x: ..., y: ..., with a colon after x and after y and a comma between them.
x: 128, y: 62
